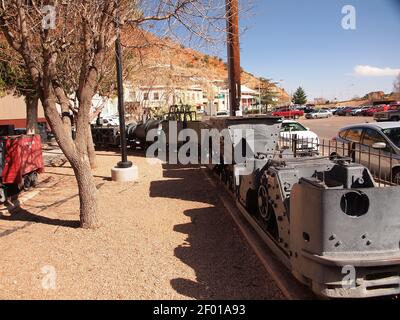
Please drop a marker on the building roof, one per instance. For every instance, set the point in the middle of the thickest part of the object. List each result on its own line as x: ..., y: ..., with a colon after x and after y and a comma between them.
x: 247, y: 90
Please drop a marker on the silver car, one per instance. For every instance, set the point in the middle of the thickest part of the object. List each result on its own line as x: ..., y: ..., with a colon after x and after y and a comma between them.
x: 375, y: 145
x: 321, y: 113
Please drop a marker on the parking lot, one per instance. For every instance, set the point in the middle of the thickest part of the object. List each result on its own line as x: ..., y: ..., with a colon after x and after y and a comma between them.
x: 328, y: 128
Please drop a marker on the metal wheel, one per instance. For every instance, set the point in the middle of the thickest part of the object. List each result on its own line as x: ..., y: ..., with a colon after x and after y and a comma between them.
x: 34, y: 179
x: 266, y: 213
x: 263, y: 205
x: 27, y: 182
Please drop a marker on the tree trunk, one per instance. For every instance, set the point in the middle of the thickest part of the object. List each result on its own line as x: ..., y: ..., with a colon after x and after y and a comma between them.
x: 87, y: 193
x: 91, y: 150
x: 31, y: 114
x: 77, y: 155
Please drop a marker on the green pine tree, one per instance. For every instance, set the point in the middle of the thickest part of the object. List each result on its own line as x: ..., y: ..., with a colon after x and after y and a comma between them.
x: 299, y: 96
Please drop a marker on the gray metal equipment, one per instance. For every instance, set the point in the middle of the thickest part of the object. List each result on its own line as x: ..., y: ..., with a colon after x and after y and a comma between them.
x: 326, y: 219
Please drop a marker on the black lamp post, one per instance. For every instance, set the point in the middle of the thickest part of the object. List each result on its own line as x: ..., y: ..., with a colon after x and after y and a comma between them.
x: 124, y: 163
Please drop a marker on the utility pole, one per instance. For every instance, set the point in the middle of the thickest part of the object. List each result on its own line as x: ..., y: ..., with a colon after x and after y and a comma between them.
x: 234, y: 70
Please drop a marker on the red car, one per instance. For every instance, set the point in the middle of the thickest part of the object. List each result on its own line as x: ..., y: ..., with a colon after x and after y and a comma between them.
x: 288, y: 113
x: 371, y: 111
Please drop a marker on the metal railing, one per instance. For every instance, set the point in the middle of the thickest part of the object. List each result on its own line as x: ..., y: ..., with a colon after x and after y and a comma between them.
x: 383, y: 164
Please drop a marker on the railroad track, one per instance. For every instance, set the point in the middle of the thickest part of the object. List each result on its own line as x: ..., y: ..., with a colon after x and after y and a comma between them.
x: 263, y: 246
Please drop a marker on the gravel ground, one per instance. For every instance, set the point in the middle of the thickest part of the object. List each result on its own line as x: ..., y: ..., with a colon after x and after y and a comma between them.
x: 165, y: 237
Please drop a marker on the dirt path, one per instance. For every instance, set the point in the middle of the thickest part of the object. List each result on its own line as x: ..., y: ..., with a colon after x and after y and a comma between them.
x: 166, y: 237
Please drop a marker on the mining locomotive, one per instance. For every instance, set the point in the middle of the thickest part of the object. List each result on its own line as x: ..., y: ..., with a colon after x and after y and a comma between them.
x: 323, y: 216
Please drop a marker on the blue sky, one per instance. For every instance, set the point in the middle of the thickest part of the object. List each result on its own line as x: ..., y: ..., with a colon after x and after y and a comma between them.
x: 303, y: 43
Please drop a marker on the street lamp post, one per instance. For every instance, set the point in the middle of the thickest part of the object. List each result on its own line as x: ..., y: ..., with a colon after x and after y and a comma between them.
x: 125, y: 170
x: 124, y: 163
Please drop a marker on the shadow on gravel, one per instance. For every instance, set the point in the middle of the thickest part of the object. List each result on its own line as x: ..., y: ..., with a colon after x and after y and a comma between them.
x: 17, y: 213
x: 26, y: 216
x: 224, y: 265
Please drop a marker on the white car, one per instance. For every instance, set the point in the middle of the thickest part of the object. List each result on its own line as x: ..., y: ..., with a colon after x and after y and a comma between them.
x: 110, y: 121
x: 293, y: 131
x: 358, y: 111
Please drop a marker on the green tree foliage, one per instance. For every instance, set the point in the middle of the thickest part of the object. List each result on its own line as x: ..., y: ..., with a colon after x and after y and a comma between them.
x: 299, y: 96
x: 268, y: 93
x: 13, y: 75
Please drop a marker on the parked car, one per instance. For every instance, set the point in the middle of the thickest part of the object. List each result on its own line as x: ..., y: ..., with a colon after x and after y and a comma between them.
x: 371, y: 111
x: 346, y: 111
x: 288, y: 113
x: 336, y: 110
x: 375, y: 145
x: 307, y: 140
x: 358, y: 111
x: 393, y: 114
x: 318, y: 114
x: 333, y: 110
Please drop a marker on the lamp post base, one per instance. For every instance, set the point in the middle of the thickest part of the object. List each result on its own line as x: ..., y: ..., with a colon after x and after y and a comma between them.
x: 127, y: 174
x: 124, y: 164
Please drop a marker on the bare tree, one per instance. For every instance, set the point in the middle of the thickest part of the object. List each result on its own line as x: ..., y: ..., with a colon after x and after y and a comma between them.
x: 53, y: 37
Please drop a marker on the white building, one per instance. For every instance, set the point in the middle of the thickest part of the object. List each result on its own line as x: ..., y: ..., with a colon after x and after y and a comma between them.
x: 212, y: 99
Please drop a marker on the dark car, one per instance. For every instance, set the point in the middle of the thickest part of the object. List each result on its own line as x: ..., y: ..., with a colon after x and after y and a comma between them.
x: 345, y: 111
x: 377, y: 145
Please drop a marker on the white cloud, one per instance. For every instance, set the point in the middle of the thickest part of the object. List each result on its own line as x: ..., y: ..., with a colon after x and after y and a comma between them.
x: 368, y: 71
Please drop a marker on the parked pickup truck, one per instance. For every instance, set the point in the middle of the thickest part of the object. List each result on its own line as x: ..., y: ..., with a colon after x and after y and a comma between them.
x: 392, y: 114
x: 288, y: 113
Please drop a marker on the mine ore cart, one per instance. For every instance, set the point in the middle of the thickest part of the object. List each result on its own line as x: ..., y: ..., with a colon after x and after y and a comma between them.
x: 21, y: 160
x: 325, y: 218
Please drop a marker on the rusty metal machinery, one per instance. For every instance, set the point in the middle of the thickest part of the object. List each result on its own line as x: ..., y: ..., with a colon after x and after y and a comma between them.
x: 323, y: 216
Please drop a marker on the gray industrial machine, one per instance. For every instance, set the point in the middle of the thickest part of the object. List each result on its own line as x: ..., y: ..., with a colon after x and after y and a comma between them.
x: 336, y: 230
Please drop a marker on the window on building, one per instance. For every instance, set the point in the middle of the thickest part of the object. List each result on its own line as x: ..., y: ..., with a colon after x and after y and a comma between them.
x: 156, y: 96
x: 146, y: 96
